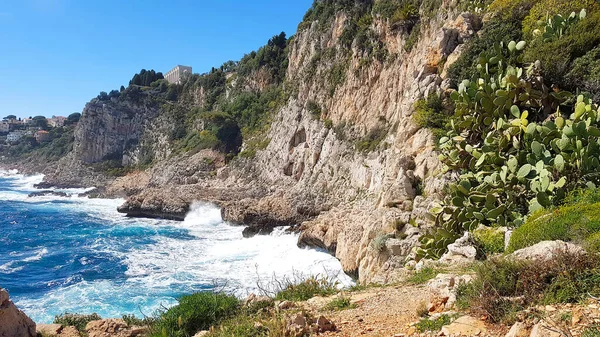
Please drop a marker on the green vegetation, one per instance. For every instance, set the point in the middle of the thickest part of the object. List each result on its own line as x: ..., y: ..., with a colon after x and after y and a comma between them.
x: 145, y: 78
x: 372, y: 140
x: 578, y: 220
x: 489, y: 240
x: 61, y: 143
x: 195, y: 312
x: 431, y: 113
x: 340, y: 303
x: 518, y: 145
x: 504, y: 287
x: 307, y: 289
x: 423, y: 275
x: 591, y: 332
x: 427, y: 324
x: 379, y: 241
x: 79, y: 321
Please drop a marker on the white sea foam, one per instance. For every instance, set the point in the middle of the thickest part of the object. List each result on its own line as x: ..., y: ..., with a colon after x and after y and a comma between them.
x: 195, y: 254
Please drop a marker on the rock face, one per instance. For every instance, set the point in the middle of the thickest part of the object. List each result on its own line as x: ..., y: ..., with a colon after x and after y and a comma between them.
x: 108, y: 128
x: 312, y: 172
x: 13, y: 322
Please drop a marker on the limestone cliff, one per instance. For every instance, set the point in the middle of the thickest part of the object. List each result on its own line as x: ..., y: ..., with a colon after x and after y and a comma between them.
x: 341, y: 156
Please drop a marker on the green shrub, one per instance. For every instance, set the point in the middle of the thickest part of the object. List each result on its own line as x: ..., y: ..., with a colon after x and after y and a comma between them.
x: 490, y: 240
x: 431, y: 113
x: 372, y: 140
x: 314, y: 108
x: 591, y: 332
x: 511, y: 9
x: 556, y: 56
x: 573, y: 222
x: 413, y: 37
x: 245, y: 326
x: 585, y: 73
x: 379, y: 241
x: 193, y: 313
x: 427, y: 324
x: 503, y: 287
x: 79, y: 321
x: 495, y: 31
x: 339, y: 303
x: 306, y: 289
x: 423, y: 275
x: 548, y: 8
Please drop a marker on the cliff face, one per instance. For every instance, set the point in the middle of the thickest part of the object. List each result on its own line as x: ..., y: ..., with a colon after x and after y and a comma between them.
x: 344, y: 157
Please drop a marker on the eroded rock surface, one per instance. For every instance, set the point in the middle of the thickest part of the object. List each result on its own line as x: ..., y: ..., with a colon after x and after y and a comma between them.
x: 13, y: 322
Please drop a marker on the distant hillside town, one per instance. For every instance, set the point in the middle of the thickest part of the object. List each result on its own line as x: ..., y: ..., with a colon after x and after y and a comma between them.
x: 38, y: 129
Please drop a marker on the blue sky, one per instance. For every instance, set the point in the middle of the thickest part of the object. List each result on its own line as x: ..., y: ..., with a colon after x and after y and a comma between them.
x: 55, y: 55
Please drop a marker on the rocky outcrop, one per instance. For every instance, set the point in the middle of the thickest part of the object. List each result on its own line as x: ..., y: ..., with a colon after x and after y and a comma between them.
x: 547, y: 250
x: 46, y: 193
x: 114, y: 327
x: 108, y: 128
x: 13, y: 322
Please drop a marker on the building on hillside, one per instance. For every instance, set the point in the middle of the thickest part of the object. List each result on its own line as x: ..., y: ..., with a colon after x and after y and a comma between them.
x: 4, y: 127
x: 27, y: 121
x: 42, y: 136
x: 14, y: 136
x: 57, y: 121
x: 175, y: 75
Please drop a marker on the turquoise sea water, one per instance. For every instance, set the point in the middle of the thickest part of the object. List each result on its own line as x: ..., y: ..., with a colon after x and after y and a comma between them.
x: 79, y: 255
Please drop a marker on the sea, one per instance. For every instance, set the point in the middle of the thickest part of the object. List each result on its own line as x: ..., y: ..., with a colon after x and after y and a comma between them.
x: 79, y: 255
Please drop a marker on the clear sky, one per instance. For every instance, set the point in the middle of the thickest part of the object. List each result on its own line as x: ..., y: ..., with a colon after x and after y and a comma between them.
x: 55, y: 55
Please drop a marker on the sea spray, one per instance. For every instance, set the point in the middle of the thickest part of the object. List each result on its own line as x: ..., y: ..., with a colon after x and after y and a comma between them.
x: 79, y: 255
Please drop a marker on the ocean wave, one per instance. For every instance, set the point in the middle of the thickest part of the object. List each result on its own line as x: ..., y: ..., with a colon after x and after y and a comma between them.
x: 155, y: 261
x: 21, y: 261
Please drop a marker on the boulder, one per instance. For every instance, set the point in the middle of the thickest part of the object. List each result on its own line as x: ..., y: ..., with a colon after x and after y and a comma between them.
x: 13, y: 322
x: 517, y: 330
x: 465, y: 326
x: 546, y: 250
x: 69, y: 331
x: 49, y: 329
x: 542, y: 330
x: 114, y: 327
x: 47, y: 193
x: 461, y: 251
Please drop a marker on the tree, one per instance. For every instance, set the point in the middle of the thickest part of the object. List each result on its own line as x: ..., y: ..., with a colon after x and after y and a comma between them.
x: 9, y: 117
x: 103, y: 96
x: 73, y: 118
x: 40, y: 121
x: 122, y: 89
x: 114, y: 94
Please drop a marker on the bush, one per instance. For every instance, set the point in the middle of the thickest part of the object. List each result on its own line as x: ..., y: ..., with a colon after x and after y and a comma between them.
x: 372, y: 140
x: 79, y: 321
x: 431, y: 113
x: 556, y: 56
x: 314, y: 108
x: 339, y: 303
x: 548, y: 8
x: 427, y: 324
x: 423, y: 275
x: 195, y: 312
x: 379, y: 241
x: 490, y: 240
x: 245, y: 326
x: 493, y: 32
x: 503, y: 287
x: 573, y: 222
x: 305, y: 290
x: 585, y: 73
